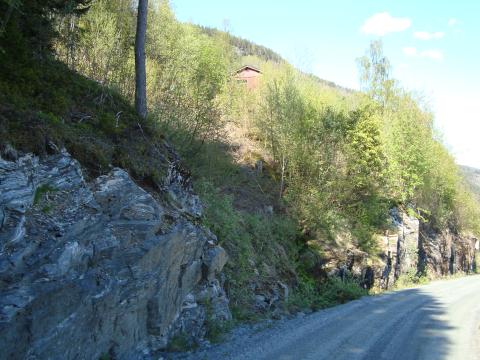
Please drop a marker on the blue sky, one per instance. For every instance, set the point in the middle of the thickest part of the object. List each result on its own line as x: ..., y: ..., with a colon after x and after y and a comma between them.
x: 432, y: 45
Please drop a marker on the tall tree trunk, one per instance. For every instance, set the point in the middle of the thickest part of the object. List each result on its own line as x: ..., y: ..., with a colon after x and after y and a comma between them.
x: 140, y: 71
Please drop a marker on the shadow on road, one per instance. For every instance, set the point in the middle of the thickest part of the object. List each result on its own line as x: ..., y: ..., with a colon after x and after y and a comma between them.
x: 403, y: 325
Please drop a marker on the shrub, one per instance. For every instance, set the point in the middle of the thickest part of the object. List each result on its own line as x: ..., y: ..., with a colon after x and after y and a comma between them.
x: 216, y: 328
x: 180, y: 343
x: 41, y: 191
x: 334, y: 291
x: 250, y: 240
x: 411, y: 278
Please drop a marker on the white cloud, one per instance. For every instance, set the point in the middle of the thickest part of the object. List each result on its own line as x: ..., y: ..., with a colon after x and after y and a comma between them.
x: 433, y: 54
x: 383, y: 23
x: 452, y: 22
x: 410, y: 51
x: 458, y: 118
x: 424, y: 35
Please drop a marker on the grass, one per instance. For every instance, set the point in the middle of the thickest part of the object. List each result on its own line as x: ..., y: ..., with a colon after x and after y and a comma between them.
x: 41, y: 191
x: 46, y: 103
x: 47, y: 209
x: 333, y: 291
x: 217, y: 329
x: 180, y: 343
x: 256, y: 243
x: 411, y: 278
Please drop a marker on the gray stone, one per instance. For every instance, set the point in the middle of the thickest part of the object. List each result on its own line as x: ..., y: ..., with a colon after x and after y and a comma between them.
x: 411, y: 246
x: 104, y: 267
x: 261, y: 302
x: 444, y: 253
x: 214, y: 261
x: 175, y: 184
x: 285, y: 290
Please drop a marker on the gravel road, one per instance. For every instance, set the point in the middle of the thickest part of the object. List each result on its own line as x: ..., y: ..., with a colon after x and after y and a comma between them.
x: 436, y: 321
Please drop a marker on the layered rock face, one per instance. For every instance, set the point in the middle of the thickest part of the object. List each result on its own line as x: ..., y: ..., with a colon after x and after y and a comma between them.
x: 414, y: 247
x: 88, y: 269
x: 410, y: 247
x: 400, y: 247
x: 446, y: 253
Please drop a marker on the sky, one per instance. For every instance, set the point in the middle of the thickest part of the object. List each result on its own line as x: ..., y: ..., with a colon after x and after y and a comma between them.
x: 433, y: 46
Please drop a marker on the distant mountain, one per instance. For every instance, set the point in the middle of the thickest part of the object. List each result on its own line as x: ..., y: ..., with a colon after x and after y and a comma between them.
x: 246, y: 47
x: 472, y: 176
x: 340, y: 88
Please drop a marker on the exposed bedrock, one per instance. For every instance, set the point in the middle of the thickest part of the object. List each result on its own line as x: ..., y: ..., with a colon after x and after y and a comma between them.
x: 101, y: 267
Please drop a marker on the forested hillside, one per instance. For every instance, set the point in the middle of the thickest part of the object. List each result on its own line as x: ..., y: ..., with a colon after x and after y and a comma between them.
x: 293, y: 174
x: 244, y: 47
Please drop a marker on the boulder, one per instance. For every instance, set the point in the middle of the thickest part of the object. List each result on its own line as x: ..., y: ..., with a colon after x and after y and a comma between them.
x: 214, y: 261
x: 100, y: 267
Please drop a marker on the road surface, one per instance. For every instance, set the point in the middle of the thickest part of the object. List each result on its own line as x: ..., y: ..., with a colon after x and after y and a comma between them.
x: 436, y: 321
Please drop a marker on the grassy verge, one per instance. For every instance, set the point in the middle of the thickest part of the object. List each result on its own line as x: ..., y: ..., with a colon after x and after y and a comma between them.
x: 333, y: 291
x: 411, y: 279
x: 261, y: 248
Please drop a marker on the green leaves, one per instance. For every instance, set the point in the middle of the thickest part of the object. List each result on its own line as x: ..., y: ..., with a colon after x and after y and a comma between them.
x: 419, y: 171
x: 375, y: 71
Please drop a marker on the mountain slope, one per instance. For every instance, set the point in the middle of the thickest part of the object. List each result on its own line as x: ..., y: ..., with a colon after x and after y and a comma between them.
x: 472, y: 176
x: 246, y: 47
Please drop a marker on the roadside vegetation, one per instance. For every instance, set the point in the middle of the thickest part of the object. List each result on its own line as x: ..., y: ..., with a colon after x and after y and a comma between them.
x: 334, y: 161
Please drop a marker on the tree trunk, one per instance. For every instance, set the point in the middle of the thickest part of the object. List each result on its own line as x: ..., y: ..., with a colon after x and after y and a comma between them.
x: 140, y: 71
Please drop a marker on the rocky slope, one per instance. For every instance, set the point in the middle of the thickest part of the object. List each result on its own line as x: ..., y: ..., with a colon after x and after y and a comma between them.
x: 410, y: 247
x: 101, y: 267
x: 121, y: 270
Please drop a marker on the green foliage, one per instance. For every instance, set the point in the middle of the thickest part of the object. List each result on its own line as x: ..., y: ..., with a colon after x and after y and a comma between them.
x: 334, y: 291
x: 375, y: 71
x: 216, y: 328
x: 26, y: 26
x: 337, y: 160
x: 419, y: 170
x: 333, y: 159
x: 186, y: 70
x: 250, y: 240
x: 180, y: 343
x: 102, y: 42
x: 411, y: 278
x: 246, y: 47
x: 41, y: 191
